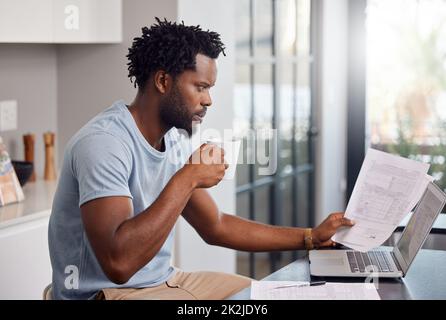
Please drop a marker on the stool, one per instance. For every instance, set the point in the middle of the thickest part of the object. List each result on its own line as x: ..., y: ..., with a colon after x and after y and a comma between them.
x: 48, y: 292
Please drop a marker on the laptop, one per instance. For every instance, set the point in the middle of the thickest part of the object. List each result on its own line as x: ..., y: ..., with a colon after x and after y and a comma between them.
x: 386, y: 263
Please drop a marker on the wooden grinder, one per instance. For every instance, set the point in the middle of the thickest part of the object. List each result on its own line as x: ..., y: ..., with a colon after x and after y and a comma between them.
x: 50, y: 169
x: 28, y: 142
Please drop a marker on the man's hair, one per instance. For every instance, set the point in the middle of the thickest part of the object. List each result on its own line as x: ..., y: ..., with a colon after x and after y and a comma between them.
x: 170, y: 47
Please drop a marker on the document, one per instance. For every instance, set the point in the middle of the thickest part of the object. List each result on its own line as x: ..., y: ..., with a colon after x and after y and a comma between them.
x: 387, y: 189
x: 269, y: 290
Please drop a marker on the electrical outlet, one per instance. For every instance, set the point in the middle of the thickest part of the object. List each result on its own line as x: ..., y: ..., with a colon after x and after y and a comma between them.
x: 8, y: 115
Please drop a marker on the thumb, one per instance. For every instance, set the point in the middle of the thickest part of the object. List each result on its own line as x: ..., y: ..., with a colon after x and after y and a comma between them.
x: 328, y: 243
x: 347, y: 222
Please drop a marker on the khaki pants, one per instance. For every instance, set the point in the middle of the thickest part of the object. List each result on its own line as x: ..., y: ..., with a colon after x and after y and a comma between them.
x: 184, y: 286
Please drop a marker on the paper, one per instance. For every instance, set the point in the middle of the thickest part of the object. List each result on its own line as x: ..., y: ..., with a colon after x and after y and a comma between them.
x: 265, y: 290
x: 387, y: 189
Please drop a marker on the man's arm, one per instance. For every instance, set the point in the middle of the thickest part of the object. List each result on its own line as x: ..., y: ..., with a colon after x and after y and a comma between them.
x: 124, y: 244
x: 233, y: 232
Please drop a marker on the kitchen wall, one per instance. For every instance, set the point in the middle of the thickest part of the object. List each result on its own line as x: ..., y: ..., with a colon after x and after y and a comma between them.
x: 92, y: 76
x: 28, y: 74
x: 63, y: 86
x: 217, y: 15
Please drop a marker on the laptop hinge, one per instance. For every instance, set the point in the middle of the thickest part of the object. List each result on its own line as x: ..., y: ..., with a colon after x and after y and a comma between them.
x: 396, y: 261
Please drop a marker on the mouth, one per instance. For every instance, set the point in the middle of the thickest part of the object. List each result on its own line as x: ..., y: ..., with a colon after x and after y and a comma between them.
x: 198, y: 117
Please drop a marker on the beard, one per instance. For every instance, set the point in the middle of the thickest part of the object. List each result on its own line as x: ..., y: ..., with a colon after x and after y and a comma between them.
x: 175, y: 113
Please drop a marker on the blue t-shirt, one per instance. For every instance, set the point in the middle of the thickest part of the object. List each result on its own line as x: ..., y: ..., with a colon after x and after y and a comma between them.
x: 109, y: 156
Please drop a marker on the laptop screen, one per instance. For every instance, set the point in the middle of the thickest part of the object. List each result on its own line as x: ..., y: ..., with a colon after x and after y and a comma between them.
x: 421, y: 222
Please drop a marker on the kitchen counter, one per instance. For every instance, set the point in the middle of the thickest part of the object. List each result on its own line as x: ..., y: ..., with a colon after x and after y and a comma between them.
x: 24, y: 242
x: 37, y: 204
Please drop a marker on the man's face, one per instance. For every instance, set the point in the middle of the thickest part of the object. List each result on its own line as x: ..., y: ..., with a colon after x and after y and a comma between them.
x: 187, y: 101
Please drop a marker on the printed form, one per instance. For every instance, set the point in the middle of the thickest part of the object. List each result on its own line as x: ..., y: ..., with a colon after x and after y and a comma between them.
x: 387, y: 189
x: 273, y: 290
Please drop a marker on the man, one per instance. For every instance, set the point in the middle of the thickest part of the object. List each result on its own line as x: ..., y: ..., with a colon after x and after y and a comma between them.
x: 125, y: 180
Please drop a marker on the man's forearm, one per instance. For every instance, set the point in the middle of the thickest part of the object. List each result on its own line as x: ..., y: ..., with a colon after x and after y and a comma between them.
x: 139, y: 239
x: 241, y: 234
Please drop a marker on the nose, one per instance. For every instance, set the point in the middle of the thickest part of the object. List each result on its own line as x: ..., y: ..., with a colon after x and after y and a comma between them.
x: 207, y: 101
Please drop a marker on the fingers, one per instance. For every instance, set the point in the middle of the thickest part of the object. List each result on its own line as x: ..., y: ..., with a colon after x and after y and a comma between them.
x: 344, y: 222
x: 337, y: 215
x: 212, y: 154
x: 339, y: 218
x: 328, y: 243
x: 207, y: 147
x: 223, y: 157
x: 216, y: 149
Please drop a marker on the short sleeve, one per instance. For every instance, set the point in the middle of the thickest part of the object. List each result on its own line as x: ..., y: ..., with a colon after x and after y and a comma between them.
x: 102, y: 165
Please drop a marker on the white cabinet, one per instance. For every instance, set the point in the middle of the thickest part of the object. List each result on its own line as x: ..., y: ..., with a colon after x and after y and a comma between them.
x: 25, y: 21
x: 25, y: 261
x: 60, y: 21
x: 25, y: 267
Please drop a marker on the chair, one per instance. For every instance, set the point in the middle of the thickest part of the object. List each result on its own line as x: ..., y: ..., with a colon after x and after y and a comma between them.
x: 48, y: 292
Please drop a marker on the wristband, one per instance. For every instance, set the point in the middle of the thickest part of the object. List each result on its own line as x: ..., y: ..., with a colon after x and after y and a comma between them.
x: 308, y: 238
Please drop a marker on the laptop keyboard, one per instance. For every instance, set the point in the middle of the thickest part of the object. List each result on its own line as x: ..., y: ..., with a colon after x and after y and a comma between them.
x: 362, y: 261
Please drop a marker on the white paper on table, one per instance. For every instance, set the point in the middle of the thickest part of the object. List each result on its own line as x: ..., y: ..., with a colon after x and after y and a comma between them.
x: 387, y: 189
x: 265, y: 290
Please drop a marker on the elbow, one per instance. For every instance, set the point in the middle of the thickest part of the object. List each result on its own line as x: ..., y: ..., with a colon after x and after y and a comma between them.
x: 213, y: 238
x: 217, y: 233
x: 118, y: 272
x: 209, y: 240
x: 118, y: 277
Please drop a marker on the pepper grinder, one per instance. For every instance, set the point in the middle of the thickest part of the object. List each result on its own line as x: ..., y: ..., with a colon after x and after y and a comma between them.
x: 28, y: 142
x: 50, y: 169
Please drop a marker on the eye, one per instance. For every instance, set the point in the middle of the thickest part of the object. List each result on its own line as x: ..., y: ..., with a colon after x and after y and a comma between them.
x: 201, y: 88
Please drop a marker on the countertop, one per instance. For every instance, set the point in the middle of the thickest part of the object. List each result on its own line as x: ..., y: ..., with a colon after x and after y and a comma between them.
x: 37, y: 204
x: 426, y: 278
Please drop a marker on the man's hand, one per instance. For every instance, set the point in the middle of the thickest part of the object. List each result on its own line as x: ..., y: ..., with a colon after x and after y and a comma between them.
x: 322, y: 233
x: 206, y: 166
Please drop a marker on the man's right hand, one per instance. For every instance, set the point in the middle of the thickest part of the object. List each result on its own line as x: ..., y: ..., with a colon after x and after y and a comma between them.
x: 206, y: 166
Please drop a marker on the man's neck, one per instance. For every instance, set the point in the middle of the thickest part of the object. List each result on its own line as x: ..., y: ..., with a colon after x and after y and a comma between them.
x: 146, y: 115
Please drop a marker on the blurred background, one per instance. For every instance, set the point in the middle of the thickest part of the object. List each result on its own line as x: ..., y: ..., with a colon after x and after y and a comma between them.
x: 332, y: 77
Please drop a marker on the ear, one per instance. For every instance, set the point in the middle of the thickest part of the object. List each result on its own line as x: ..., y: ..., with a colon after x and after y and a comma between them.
x: 163, y: 81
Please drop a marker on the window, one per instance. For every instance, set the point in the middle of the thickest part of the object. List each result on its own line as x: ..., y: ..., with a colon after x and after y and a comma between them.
x: 273, y: 91
x: 405, y: 80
